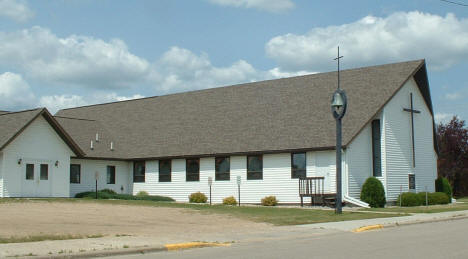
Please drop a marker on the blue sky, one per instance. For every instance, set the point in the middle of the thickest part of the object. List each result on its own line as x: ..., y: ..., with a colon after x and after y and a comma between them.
x: 69, y: 53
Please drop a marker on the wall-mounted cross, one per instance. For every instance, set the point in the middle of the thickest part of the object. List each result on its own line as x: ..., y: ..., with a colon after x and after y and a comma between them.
x: 412, y: 111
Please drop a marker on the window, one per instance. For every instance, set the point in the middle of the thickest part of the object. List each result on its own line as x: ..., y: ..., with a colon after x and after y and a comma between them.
x: 75, y: 173
x: 222, y: 168
x: 164, y: 170
x: 298, y: 165
x: 139, y: 172
x: 255, y: 167
x: 29, y: 171
x: 110, y: 174
x: 412, y: 182
x: 192, y: 170
x: 376, y: 152
x: 44, y: 172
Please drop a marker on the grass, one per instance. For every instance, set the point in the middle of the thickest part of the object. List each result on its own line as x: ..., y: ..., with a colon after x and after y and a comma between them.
x: 463, y: 205
x: 38, y: 238
x: 273, y: 215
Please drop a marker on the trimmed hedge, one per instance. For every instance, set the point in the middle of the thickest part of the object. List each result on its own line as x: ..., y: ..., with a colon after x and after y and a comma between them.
x: 230, y: 201
x: 443, y: 185
x: 410, y: 199
x: 269, y: 201
x: 142, y: 193
x: 198, y: 197
x: 105, y: 195
x: 373, y: 193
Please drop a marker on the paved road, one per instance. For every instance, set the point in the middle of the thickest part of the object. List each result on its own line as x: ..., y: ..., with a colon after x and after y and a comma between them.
x: 430, y: 240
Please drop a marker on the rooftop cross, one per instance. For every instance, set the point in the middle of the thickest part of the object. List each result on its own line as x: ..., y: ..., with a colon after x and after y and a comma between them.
x: 338, y: 59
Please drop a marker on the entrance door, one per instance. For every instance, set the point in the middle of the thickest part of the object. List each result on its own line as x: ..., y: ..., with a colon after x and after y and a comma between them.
x: 322, y: 165
x: 36, y: 179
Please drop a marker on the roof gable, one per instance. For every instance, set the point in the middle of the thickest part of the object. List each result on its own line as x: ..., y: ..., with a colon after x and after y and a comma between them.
x: 268, y: 116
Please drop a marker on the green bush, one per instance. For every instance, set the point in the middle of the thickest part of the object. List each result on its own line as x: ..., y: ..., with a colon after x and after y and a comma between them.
x: 197, y: 197
x: 106, y: 195
x: 230, y: 200
x: 109, y: 191
x: 443, y: 185
x: 409, y: 199
x: 142, y: 193
x: 373, y: 193
x: 269, y: 201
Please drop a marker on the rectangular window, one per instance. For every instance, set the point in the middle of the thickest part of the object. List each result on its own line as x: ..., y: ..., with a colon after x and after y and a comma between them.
x: 29, y: 171
x: 110, y: 174
x: 44, y: 172
x: 376, y: 151
x: 222, y: 169
x: 192, y: 170
x: 255, y: 167
x: 298, y: 165
x: 139, y: 172
x: 75, y: 173
x: 412, y: 182
x: 164, y: 170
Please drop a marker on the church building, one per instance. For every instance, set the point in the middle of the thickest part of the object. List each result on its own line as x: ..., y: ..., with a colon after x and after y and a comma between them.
x: 268, y: 133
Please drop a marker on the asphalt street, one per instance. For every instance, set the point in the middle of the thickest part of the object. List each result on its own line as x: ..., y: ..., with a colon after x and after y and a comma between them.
x: 448, y: 239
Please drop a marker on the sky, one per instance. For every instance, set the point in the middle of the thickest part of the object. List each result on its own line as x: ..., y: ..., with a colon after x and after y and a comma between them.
x: 66, y: 53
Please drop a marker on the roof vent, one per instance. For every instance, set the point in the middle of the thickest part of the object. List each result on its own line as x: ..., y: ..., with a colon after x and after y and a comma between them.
x: 112, y: 146
x: 92, y: 146
x: 97, y: 137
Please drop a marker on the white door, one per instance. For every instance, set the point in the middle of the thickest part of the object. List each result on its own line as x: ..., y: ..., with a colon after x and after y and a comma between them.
x: 322, y: 165
x: 36, y: 179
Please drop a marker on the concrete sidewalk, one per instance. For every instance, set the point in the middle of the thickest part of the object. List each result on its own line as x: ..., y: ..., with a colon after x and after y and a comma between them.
x: 92, y: 247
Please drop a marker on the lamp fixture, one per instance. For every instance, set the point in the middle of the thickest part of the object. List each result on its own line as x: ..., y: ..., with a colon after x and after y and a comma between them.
x: 19, y: 161
x: 56, y: 163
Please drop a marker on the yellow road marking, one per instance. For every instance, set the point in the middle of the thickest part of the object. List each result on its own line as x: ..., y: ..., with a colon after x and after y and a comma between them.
x: 371, y: 227
x: 189, y: 245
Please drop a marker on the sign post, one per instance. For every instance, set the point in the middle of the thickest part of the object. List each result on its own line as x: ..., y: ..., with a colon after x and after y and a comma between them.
x: 96, y: 176
x: 210, y: 182
x: 238, y: 186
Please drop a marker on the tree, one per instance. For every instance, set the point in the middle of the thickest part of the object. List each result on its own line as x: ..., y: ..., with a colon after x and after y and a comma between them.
x: 452, y: 139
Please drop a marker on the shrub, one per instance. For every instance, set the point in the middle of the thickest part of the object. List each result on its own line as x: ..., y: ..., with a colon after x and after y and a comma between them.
x: 230, y: 200
x: 106, y: 195
x: 373, y: 193
x: 269, y: 201
x: 197, y: 197
x: 142, y: 193
x: 443, y: 185
x: 437, y: 198
x: 109, y: 191
x: 409, y: 199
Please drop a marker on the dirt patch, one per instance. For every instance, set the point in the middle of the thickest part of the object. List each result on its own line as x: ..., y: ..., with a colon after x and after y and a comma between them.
x: 60, y: 218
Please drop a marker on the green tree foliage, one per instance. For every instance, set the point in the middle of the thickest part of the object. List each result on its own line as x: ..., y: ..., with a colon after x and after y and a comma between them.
x: 443, y: 185
x: 373, y: 193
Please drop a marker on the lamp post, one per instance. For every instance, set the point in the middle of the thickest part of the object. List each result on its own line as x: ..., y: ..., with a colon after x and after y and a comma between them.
x: 338, y: 108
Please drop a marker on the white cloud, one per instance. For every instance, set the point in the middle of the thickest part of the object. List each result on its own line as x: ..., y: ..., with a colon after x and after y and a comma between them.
x: 441, y: 117
x: 16, y: 10
x: 453, y: 96
x: 57, y: 102
x: 264, y: 5
x: 278, y: 73
x: 374, y: 40
x: 76, y: 60
x: 15, y: 92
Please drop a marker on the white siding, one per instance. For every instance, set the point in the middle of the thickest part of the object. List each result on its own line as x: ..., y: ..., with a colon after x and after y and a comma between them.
x: 38, y: 142
x: 1, y: 175
x: 398, y: 143
x: 276, y: 179
x: 88, y: 172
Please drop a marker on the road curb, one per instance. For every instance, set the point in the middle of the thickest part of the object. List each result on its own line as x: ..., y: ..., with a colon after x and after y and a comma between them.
x: 180, y: 246
x: 103, y: 253
x: 367, y: 228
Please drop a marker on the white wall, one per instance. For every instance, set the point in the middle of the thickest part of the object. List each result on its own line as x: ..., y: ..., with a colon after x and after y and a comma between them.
x: 88, y: 172
x: 276, y: 179
x: 398, y: 143
x: 37, y: 143
x: 1, y: 175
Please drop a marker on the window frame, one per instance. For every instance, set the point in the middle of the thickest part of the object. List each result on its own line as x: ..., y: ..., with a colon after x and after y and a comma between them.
x: 139, y: 178
x: 112, y: 178
x: 168, y: 175
x: 220, y: 176
x: 41, y: 171
x: 251, y: 174
x: 189, y: 175
x: 79, y: 173
x: 376, y: 148
x: 294, y: 171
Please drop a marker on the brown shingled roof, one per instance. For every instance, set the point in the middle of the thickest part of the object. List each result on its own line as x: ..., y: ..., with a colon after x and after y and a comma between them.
x: 268, y: 116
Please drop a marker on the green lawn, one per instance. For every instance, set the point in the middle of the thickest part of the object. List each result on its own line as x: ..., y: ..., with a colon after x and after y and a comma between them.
x: 273, y: 215
x: 463, y: 205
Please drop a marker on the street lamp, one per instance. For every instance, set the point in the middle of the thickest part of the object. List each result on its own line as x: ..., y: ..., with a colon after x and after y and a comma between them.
x: 338, y: 108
